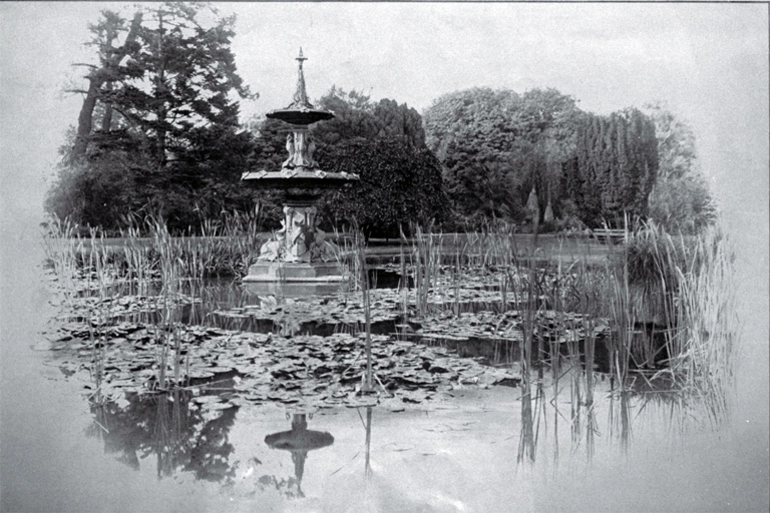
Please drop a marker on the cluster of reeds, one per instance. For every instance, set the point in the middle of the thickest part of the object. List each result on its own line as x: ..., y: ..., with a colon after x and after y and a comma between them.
x: 226, y: 247
x: 167, y: 332
x: 493, y: 245
x: 62, y: 246
x: 92, y: 274
x: 148, y: 258
x: 99, y: 278
x: 425, y: 260
x: 346, y: 254
x: 701, y: 311
x: 652, y: 287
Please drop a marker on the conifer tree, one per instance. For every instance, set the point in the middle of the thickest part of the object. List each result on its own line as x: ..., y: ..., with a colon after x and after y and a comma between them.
x: 160, y: 112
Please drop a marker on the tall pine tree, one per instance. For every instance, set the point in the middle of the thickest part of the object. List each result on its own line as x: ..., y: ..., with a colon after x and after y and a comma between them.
x: 161, y: 113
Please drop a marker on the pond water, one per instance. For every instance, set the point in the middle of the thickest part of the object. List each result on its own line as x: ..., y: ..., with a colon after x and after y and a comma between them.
x: 472, y: 449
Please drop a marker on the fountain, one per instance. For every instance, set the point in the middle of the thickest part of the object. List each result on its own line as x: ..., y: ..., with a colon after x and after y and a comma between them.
x: 298, y: 253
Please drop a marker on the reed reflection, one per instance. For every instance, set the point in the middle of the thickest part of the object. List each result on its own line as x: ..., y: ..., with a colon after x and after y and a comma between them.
x: 582, y: 405
x: 368, y: 427
x: 182, y: 435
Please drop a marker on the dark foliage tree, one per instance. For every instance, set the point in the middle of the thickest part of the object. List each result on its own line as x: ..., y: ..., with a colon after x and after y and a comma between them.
x: 101, y: 78
x: 497, y: 145
x: 169, y: 121
x: 399, y: 184
x: 384, y: 143
x: 614, y: 169
x: 357, y: 118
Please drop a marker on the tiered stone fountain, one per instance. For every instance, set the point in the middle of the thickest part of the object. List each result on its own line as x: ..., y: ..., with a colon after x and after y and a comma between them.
x: 298, y: 253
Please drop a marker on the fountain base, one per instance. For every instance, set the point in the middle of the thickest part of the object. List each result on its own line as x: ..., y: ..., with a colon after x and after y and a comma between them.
x: 295, y: 279
x: 304, y: 272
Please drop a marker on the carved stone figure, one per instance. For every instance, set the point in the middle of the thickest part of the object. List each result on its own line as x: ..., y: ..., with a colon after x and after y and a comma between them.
x: 299, y: 222
x: 290, y: 148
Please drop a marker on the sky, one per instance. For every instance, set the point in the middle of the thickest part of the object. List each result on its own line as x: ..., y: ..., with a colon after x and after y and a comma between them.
x: 708, y: 62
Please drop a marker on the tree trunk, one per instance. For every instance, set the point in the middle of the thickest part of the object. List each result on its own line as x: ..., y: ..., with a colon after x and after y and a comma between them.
x: 96, y: 80
x: 85, y: 119
x: 107, y: 119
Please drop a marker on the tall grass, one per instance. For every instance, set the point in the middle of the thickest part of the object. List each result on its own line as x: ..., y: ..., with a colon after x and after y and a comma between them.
x: 687, y: 285
x: 426, y: 258
x: 651, y: 287
x: 148, y: 258
x: 368, y: 384
x: 225, y: 247
x: 62, y: 245
x: 706, y: 325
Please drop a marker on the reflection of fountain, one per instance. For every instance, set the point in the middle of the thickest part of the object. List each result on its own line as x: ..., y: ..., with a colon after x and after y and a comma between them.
x: 298, y: 252
x: 299, y: 441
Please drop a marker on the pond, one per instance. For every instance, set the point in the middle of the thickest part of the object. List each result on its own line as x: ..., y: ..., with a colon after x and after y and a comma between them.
x: 469, y: 447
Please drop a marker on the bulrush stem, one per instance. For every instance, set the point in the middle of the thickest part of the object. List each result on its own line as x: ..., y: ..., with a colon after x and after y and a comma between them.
x: 368, y: 383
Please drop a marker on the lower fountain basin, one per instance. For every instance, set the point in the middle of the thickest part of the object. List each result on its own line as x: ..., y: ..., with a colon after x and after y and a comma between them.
x: 298, y: 179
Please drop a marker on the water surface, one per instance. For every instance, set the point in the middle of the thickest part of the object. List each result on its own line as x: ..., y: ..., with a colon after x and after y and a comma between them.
x: 474, y: 450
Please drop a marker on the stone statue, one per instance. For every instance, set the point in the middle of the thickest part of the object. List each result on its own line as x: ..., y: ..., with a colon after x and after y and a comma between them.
x: 298, y: 220
x: 290, y: 148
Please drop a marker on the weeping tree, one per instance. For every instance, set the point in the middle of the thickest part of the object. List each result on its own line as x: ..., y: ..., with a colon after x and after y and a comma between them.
x: 161, y: 110
x: 681, y: 200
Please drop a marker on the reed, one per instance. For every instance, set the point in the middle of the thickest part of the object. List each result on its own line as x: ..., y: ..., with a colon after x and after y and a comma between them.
x: 702, y: 345
x: 345, y: 253
x: 62, y: 247
x: 368, y: 383
x: 170, y: 263
x: 225, y: 247
x: 687, y: 286
x: 426, y: 257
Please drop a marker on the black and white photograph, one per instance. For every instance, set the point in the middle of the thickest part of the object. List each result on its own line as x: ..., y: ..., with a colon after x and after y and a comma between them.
x: 391, y: 257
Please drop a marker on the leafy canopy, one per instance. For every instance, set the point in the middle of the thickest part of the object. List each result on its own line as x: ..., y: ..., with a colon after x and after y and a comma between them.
x: 680, y: 201
x: 496, y: 145
x: 158, y: 130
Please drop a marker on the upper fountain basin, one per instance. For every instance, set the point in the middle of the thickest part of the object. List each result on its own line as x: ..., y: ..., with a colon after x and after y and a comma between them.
x: 300, y: 116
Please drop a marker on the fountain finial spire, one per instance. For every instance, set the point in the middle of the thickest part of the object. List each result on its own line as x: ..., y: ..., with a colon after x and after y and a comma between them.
x: 300, y: 96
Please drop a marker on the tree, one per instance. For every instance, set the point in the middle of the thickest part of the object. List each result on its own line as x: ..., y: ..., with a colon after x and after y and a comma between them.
x: 680, y: 201
x: 399, y: 184
x: 496, y: 145
x: 615, y: 167
x: 384, y: 143
x: 165, y: 95
x: 101, y: 78
x: 357, y: 118
x: 178, y: 79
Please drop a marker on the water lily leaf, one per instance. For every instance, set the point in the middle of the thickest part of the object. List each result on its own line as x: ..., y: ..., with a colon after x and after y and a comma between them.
x: 200, y: 372
x: 203, y: 399
x: 216, y: 406
x: 221, y: 369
